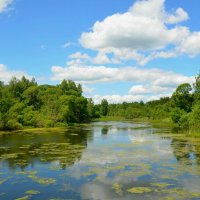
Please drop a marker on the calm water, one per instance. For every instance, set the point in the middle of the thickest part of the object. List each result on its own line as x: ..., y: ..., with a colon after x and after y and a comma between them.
x: 104, y: 161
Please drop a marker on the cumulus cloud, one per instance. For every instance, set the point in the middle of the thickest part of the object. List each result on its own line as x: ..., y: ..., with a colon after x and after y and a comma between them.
x: 126, y: 34
x: 179, y: 16
x: 4, y: 4
x: 79, y: 55
x: 148, y: 84
x: 78, y: 58
x: 99, y: 74
x: 87, y: 90
x: 129, y: 30
x: 116, y: 98
x: 191, y: 45
x: 149, y: 89
x: 6, y: 74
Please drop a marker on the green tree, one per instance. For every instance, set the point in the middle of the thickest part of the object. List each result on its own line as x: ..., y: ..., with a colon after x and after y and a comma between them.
x: 182, y: 98
x: 197, y: 88
x: 104, y: 107
x: 90, y: 108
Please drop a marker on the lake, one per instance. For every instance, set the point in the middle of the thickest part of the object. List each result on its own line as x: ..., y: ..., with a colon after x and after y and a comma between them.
x: 101, y: 161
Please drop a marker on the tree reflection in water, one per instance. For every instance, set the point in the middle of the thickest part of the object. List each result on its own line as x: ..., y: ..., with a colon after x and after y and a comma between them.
x: 186, y: 151
x: 65, y: 147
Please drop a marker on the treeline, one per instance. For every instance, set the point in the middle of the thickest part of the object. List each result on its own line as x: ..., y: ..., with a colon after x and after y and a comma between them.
x: 183, y: 108
x: 24, y: 103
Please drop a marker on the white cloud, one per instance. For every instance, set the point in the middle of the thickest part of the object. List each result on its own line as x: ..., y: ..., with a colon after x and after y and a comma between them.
x: 99, y: 74
x: 79, y: 55
x: 126, y: 35
x: 179, y: 16
x: 101, y: 58
x: 68, y: 44
x: 4, y: 5
x: 87, y: 90
x: 6, y: 74
x: 148, y: 84
x: 149, y: 89
x: 191, y: 45
x: 118, y: 98
x: 129, y: 30
x: 78, y: 58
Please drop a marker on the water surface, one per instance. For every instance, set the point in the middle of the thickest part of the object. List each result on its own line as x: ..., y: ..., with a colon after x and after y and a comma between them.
x: 102, y: 161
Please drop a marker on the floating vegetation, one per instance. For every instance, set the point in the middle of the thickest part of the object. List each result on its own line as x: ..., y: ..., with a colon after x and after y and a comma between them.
x: 27, y: 172
x: 168, y: 198
x: 118, y: 188
x: 32, y: 192
x: 3, y: 181
x: 43, y: 181
x: 23, y: 198
x: 148, y: 166
x: 139, y: 190
x: 161, y: 185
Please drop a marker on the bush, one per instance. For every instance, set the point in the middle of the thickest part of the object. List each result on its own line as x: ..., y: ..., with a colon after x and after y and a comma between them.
x: 184, y: 121
x: 49, y: 123
x: 176, y: 115
x: 14, y: 125
x: 194, y: 121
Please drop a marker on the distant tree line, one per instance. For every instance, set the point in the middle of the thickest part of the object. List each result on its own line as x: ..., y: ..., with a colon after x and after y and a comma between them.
x: 183, y: 107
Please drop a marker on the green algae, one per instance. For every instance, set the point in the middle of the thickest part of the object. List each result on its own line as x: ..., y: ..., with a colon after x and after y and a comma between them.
x: 23, y: 198
x: 118, y: 188
x: 168, y: 198
x: 32, y: 192
x: 139, y: 190
x: 124, y: 163
x: 27, y: 172
x: 42, y: 181
x: 161, y: 185
x: 3, y: 181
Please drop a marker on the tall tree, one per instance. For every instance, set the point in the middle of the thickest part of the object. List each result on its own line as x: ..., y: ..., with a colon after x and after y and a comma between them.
x: 104, y: 107
x: 182, y: 98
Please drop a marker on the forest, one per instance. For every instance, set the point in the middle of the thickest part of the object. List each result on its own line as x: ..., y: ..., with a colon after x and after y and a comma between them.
x: 25, y: 104
x: 182, y: 108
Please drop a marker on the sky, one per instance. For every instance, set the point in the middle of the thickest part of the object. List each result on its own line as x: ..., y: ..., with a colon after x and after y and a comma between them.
x: 121, y: 50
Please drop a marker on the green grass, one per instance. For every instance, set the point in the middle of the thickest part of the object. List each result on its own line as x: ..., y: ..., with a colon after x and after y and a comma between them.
x: 110, y: 118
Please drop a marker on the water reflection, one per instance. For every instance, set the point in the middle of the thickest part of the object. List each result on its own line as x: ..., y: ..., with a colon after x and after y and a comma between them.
x: 111, y: 160
x: 104, y: 130
x: 186, y: 151
x: 22, y: 150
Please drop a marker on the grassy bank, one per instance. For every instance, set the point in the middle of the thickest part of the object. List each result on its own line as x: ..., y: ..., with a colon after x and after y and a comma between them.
x: 155, y: 122
x: 31, y: 130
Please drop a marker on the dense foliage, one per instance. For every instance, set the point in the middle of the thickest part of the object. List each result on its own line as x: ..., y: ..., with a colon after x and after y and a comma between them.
x: 24, y: 103
x: 183, y: 108
x: 156, y: 109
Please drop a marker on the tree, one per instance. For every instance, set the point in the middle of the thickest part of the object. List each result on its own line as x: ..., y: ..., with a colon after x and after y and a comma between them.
x: 90, y: 108
x: 182, y: 98
x: 104, y: 107
x: 197, y: 88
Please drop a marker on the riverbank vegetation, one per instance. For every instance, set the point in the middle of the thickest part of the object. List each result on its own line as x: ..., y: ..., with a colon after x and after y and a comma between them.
x: 182, y: 108
x: 25, y: 104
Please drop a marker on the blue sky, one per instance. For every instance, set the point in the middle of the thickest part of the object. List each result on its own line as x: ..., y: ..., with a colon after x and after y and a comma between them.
x: 122, y: 50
